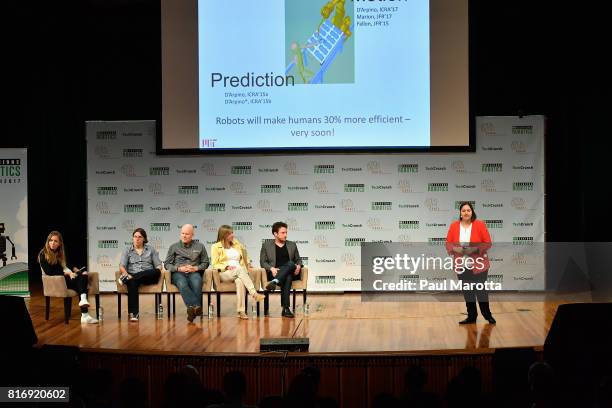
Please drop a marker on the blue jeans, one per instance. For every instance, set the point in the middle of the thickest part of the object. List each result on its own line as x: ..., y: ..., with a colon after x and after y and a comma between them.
x: 190, y: 285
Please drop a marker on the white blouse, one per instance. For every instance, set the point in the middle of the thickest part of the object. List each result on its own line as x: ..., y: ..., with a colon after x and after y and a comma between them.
x: 465, y: 234
x: 233, y: 257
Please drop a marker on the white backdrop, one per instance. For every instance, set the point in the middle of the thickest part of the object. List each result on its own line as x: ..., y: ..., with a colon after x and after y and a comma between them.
x: 331, y: 202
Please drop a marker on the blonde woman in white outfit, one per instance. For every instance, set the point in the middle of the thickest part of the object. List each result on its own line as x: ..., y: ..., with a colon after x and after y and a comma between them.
x: 229, y: 257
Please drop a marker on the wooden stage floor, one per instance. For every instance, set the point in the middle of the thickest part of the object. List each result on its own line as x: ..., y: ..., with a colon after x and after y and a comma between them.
x: 337, y: 323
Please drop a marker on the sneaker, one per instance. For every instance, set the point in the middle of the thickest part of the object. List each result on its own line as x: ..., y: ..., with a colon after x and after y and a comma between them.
x: 84, y: 302
x: 133, y: 317
x: 243, y: 316
x: 88, y: 319
x: 287, y: 313
x: 271, y: 286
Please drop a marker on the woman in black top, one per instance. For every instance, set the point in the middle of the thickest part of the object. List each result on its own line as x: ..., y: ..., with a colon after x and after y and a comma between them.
x: 52, y: 259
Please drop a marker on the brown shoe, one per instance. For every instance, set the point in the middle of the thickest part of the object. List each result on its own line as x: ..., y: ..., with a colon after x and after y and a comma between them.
x: 243, y: 316
x: 258, y: 297
x: 198, y: 311
x: 191, y: 313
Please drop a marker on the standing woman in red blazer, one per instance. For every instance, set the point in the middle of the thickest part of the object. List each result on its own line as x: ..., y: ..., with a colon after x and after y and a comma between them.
x: 469, y: 238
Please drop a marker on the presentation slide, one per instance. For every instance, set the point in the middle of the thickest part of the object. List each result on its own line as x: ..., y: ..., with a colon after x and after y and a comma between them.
x: 316, y: 74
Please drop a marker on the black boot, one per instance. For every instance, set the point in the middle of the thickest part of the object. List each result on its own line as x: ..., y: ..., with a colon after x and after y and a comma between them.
x: 287, y: 312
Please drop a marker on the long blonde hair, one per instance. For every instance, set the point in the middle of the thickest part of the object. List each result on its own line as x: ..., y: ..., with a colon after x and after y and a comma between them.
x: 223, y: 232
x: 53, y: 257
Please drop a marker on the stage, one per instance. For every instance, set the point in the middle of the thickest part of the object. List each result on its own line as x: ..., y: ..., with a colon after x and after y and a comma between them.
x: 336, y: 323
x: 361, y: 348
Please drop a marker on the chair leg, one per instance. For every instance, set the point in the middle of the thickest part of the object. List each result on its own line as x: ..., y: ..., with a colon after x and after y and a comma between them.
x: 97, y: 306
x: 67, y: 308
x: 174, y: 304
x: 168, y: 305
x: 293, y: 300
x: 208, y: 299
x: 218, y: 304
x: 304, y: 295
x: 246, y: 303
x: 257, y: 309
x: 47, y: 307
x: 267, y: 304
x: 118, y: 305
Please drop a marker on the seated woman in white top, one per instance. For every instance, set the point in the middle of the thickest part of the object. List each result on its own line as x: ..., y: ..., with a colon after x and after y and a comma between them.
x: 230, y: 259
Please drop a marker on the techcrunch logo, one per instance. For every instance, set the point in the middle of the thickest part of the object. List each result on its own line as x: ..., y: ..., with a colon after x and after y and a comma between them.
x: 494, y: 224
x: 188, y: 190
x: 267, y: 170
x: 522, y: 186
x: 351, y: 169
x: 381, y: 205
x: 435, y: 168
x: 522, y: 224
x: 354, y: 188
x: 297, y: 188
x: 407, y: 168
x: 409, y: 224
x: 242, y: 226
x: 131, y: 153
x: 214, y: 207
x: 408, y: 206
x: 160, y: 226
x: 106, y: 135
x: 492, y: 167
x: 325, y: 225
x: 522, y: 130
x: 352, y: 225
x: 241, y: 170
x: 250, y: 79
x: 240, y: 207
x: 434, y: 224
x: 324, y: 206
x: 492, y: 205
x: 159, y: 171
x: 324, y: 169
x: 106, y: 191
x: 297, y: 206
x: 437, y: 187
x: 325, y: 279
x: 270, y: 188
x: 352, y: 242
x: 381, y: 187
x: 10, y: 167
x: 522, y: 167
x: 305, y: 260
x: 109, y: 243
x: 133, y: 190
x: 133, y: 208
x: 158, y: 208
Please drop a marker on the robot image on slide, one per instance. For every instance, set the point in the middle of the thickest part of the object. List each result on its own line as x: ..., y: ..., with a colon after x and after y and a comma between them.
x: 323, y: 45
x: 3, y: 240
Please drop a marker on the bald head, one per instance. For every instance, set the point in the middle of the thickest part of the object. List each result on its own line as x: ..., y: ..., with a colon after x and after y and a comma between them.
x: 186, y: 233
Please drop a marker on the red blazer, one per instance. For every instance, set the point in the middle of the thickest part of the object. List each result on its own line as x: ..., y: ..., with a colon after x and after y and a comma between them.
x: 479, y: 237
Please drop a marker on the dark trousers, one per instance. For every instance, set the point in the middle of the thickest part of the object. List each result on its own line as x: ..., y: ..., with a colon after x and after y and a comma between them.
x: 146, y: 277
x: 284, y: 277
x: 471, y: 296
x: 79, y: 285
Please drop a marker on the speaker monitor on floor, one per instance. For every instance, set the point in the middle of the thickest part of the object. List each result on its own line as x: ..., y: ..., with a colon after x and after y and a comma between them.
x: 283, y: 344
x: 15, y: 319
x: 579, y: 339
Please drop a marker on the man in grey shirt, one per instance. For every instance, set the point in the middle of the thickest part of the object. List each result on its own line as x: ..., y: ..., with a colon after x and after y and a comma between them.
x: 187, y: 260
